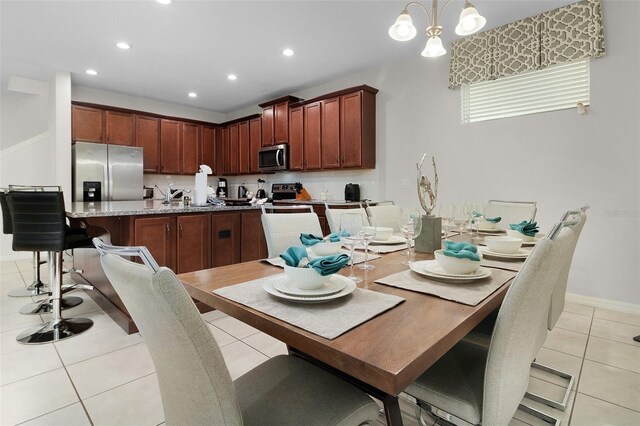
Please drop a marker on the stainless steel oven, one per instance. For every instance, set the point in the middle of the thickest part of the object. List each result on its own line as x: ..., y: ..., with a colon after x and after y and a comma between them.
x: 273, y: 158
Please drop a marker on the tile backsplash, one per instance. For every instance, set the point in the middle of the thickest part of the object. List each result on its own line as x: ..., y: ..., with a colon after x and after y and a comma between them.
x: 313, y: 182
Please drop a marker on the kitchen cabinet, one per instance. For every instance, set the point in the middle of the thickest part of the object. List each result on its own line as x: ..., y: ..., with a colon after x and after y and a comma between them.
x: 148, y: 138
x: 267, y: 126
x: 225, y: 239
x: 193, y: 242
x: 254, y: 244
x: 158, y: 234
x: 281, y: 123
x: 234, y: 147
x: 190, y: 148
x: 255, y: 142
x: 87, y: 124
x: 275, y: 120
x: 312, y: 136
x: 208, y: 147
x: 330, y: 133
x: 170, y: 149
x: 243, y: 147
x: 358, y: 130
x: 226, y: 152
x: 120, y: 128
x: 296, y: 138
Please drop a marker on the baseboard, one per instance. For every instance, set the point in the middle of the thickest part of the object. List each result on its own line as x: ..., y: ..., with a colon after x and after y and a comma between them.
x: 598, y: 302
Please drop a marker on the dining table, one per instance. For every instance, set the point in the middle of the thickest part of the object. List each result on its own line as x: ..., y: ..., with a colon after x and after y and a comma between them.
x: 382, y: 355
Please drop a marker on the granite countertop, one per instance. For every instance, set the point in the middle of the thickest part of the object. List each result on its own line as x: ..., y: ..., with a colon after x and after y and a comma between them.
x: 142, y: 207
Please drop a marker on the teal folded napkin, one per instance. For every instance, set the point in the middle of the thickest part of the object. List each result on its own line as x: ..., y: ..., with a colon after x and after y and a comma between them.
x: 328, y: 265
x: 293, y: 255
x: 488, y: 219
x: 530, y: 228
x: 310, y: 239
x: 461, y: 250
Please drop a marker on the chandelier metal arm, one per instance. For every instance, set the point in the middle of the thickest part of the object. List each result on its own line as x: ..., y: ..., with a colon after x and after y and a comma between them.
x: 423, y: 8
x: 434, y: 27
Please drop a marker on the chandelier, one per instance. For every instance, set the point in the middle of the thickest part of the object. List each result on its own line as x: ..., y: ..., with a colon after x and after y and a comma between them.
x: 403, y: 29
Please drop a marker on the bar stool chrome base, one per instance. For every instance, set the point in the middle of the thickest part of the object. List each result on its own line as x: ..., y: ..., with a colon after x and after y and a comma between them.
x: 35, y: 289
x: 54, y: 330
x: 45, y: 306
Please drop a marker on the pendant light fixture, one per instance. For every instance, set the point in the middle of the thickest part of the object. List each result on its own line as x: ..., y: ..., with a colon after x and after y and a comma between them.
x: 403, y: 29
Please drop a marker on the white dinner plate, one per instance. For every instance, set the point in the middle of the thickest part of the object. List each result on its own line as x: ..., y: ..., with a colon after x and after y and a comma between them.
x: 425, y: 267
x: 520, y: 254
x: 333, y: 285
x: 269, y: 287
x: 394, y: 239
x: 491, y: 231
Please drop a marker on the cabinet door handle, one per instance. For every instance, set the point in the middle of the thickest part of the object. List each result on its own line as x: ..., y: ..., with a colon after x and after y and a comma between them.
x: 343, y: 158
x: 180, y: 230
x: 337, y: 159
x: 168, y: 232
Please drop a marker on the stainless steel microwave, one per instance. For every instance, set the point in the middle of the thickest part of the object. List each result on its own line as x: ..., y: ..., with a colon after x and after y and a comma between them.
x: 273, y: 158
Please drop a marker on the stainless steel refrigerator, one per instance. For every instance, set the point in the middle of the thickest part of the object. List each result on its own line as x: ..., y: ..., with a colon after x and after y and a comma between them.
x: 104, y: 172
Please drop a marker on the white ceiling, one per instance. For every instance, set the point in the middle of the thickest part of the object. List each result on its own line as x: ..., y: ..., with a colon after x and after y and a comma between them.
x: 192, y: 45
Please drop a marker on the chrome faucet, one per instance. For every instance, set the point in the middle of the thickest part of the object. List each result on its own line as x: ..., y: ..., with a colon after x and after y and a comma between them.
x: 168, y: 196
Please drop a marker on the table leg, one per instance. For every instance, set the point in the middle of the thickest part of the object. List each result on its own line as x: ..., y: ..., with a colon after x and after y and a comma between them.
x: 391, y: 404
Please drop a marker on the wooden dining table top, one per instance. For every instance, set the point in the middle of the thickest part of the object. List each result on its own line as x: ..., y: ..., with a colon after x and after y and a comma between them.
x: 387, y: 352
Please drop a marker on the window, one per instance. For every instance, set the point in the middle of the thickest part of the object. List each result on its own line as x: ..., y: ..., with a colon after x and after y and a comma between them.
x: 556, y: 87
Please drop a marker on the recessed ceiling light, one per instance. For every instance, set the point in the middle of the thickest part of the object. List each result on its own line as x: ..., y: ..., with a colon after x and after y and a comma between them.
x: 165, y: 2
x: 193, y: 95
x: 232, y: 77
x: 92, y: 72
x: 123, y: 45
x: 287, y: 52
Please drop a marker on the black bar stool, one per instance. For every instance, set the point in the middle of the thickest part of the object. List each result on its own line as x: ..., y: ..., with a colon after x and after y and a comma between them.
x: 39, y: 224
x: 37, y: 287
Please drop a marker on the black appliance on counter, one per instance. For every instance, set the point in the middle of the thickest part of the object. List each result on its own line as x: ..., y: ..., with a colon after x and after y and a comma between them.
x: 222, y: 191
x: 352, y: 192
x: 284, y: 191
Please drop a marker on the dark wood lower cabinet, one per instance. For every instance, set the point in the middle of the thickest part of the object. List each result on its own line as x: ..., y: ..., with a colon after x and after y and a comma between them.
x: 225, y: 239
x: 193, y: 243
x: 253, y: 244
x: 158, y: 234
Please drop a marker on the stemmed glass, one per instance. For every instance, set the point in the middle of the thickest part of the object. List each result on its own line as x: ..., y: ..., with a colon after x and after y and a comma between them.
x: 367, y: 233
x: 446, y: 213
x: 459, y: 217
x: 410, y: 226
x: 350, y: 226
x: 477, y: 217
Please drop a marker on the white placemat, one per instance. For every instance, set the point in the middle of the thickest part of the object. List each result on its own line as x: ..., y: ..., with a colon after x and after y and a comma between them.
x: 468, y: 293
x: 328, y: 320
x: 509, y: 265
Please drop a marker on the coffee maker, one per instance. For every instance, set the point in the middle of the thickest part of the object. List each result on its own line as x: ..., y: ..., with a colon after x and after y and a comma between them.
x: 222, y: 190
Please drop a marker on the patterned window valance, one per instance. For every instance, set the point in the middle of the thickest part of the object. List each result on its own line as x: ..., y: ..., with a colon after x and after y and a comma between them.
x: 561, y: 35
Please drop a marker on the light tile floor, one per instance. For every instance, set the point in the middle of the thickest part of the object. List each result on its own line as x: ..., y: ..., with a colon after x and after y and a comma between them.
x: 105, y: 377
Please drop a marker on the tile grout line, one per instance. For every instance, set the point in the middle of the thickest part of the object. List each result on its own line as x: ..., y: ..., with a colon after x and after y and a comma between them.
x: 45, y: 414
x: 617, y: 341
x: 609, y: 402
x: 120, y: 385
x: 612, y: 366
x: 584, y: 355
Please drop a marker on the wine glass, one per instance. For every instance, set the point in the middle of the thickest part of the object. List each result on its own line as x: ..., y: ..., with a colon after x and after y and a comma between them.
x: 367, y: 233
x: 459, y: 217
x: 410, y: 226
x: 446, y: 213
x: 478, y: 212
x: 350, y: 226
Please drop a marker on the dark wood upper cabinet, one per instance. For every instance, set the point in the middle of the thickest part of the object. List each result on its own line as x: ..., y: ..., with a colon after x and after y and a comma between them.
x: 234, y: 148
x: 281, y: 123
x: 358, y: 129
x: 296, y: 138
x: 226, y: 152
x: 330, y: 133
x: 193, y: 245
x: 268, y: 128
x: 255, y: 142
x: 120, y: 128
x: 170, y: 149
x: 312, y: 136
x: 208, y: 147
x: 148, y: 138
x: 87, y: 124
x: 244, y: 148
x: 190, y: 148
x: 225, y: 239
x: 275, y: 120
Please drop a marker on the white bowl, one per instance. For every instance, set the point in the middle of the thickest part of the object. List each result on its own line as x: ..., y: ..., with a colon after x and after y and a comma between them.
x: 485, y: 224
x: 453, y: 265
x: 501, y: 244
x: 518, y: 234
x: 326, y: 248
x: 305, y: 278
x: 382, y: 233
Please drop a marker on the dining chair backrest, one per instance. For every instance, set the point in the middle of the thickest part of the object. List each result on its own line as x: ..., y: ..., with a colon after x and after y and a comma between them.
x: 387, y: 215
x: 511, y: 211
x: 334, y: 215
x: 560, y: 290
x: 522, y: 318
x: 195, y: 384
x: 282, y: 230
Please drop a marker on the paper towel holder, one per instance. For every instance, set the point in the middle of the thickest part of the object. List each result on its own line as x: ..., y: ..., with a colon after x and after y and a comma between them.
x: 205, y: 169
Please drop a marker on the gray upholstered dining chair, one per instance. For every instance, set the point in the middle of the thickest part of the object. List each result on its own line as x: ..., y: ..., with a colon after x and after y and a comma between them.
x: 282, y: 230
x: 387, y: 215
x: 479, y: 385
x: 334, y: 215
x: 511, y: 211
x: 195, y: 384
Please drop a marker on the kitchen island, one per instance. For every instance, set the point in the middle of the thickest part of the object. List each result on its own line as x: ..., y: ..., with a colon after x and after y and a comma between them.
x: 182, y: 238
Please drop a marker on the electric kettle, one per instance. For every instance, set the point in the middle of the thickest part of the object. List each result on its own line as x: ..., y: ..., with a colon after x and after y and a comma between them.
x: 352, y: 192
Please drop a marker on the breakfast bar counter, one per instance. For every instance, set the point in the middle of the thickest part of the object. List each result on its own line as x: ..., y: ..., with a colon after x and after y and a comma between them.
x: 143, y: 207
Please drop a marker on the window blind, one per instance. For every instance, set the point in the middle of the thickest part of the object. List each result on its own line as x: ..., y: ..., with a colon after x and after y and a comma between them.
x: 556, y: 87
